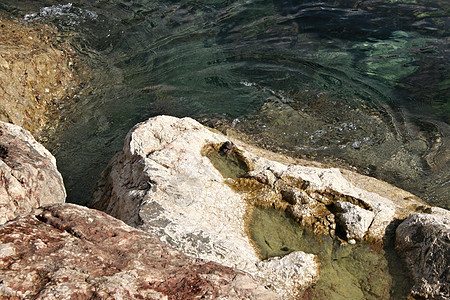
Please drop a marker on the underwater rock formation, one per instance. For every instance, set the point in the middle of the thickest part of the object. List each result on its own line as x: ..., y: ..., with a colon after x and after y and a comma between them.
x: 28, y: 174
x: 424, y: 242
x: 196, y: 190
x: 65, y: 251
x: 35, y: 76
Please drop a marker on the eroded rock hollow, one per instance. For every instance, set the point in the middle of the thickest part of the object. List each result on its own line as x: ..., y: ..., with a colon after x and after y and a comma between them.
x: 196, y: 190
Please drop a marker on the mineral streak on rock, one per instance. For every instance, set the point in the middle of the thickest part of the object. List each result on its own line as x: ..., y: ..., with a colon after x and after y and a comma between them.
x: 65, y: 251
x: 314, y: 209
x: 28, y: 174
x: 308, y: 206
x: 257, y: 194
x: 35, y: 75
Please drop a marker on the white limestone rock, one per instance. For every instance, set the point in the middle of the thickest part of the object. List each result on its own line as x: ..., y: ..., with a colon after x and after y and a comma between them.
x: 28, y: 174
x: 288, y: 270
x: 354, y: 220
x: 161, y: 183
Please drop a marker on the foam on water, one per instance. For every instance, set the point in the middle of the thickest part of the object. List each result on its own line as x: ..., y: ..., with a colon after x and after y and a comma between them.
x: 67, y: 14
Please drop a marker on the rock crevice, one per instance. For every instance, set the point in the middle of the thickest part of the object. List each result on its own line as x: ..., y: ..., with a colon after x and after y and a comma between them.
x: 424, y: 242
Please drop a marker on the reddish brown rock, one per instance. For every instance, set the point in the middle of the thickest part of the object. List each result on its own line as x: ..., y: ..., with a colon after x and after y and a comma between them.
x: 28, y: 174
x: 65, y: 251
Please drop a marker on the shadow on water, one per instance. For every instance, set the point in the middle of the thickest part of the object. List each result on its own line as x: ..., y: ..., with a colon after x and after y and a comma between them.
x: 227, y: 159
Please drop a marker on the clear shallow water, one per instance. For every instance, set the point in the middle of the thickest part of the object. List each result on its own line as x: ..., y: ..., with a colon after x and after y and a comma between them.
x: 360, y: 271
x: 364, y: 83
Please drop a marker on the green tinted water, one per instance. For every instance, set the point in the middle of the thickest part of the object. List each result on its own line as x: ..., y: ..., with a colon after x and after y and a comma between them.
x: 360, y: 271
x: 364, y: 83
x: 361, y: 82
x: 229, y: 162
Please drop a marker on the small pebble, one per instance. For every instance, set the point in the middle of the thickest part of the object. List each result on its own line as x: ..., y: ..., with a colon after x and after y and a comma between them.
x: 356, y: 145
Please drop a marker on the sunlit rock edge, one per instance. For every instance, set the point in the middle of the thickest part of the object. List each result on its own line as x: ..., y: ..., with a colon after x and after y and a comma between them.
x: 163, y: 183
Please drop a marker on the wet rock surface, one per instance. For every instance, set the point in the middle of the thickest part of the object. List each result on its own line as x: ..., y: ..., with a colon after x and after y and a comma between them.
x: 424, y: 242
x: 28, y: 174
x: 65, y: 251
x: 35, y: 75
x: 196, y: 191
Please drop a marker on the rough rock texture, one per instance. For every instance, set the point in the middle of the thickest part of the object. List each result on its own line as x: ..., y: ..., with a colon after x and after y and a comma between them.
x: 65, y: 251
x: 28, y: 174
x: 354, y: 220
x: 34, y: 75
x: 167, y: 181
x: 282, y: 272
x: 424, y: 241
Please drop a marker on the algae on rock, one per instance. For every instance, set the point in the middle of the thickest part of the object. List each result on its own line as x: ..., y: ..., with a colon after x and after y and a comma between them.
x: 36, y: 74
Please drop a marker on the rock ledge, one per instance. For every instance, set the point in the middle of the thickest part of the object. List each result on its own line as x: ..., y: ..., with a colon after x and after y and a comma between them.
x: 195, y: 189
x: 65, y: 251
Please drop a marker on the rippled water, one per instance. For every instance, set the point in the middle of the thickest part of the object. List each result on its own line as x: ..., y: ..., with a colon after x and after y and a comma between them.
x: 361, y: 83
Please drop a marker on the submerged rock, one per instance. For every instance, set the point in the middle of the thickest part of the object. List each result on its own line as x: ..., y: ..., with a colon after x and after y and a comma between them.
x: 196, y: 190
x: 28, y: 174
x: 65, y: 251
x: 35, y: 76
x: 424, y: 242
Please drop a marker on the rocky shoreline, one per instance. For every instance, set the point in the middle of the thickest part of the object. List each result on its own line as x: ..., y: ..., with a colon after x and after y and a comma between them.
x: 180, y: 206
x: 170, y: 184
x: 196, y: 190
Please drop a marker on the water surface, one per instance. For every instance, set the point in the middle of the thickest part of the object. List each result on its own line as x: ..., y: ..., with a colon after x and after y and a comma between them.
x: 360, y: 271
x: 361, y: 83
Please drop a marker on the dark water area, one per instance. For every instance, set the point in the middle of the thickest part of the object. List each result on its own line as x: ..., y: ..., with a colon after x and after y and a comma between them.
x: 364, y: 84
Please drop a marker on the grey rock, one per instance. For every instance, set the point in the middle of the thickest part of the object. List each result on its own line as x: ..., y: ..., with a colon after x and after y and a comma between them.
x: 28, y: 174
x: 355, y: 221
x: 286, y: 270
x: 424, y: 242
x: 163, y: 182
